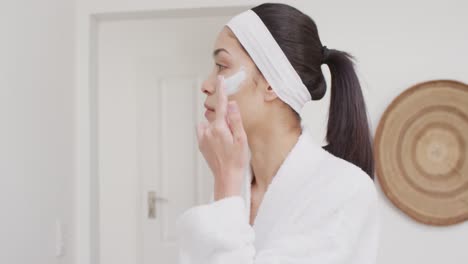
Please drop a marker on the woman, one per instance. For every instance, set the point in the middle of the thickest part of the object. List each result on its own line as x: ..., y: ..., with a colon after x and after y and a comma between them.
x: 278, y: 196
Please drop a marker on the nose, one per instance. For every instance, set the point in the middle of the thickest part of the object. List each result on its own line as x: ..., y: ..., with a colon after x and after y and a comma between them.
x: 208, y: 87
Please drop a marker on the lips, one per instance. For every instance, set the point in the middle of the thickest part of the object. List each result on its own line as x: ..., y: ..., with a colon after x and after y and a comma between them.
x: 209, y: 108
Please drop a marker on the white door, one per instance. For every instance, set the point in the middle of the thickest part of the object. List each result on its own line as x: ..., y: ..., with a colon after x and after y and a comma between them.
x: 149, y: 100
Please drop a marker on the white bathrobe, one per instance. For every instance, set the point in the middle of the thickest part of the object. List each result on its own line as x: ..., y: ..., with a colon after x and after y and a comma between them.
x: 318, y: 209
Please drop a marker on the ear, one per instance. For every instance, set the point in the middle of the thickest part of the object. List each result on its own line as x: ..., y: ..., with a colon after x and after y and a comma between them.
x: 269, y: 94
x: 263, y: 86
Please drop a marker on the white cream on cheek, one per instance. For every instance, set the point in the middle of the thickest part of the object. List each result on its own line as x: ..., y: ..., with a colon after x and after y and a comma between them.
x: 232, y: 84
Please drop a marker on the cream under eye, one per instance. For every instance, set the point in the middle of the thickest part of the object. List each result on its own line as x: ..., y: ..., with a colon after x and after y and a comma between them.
x: 233, y: 82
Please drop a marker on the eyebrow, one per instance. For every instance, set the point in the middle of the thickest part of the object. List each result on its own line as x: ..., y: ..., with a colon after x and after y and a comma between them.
x: 217, y: 51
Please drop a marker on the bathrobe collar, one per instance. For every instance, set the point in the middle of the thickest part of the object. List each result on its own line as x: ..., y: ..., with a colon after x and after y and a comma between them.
x: 297, y: 168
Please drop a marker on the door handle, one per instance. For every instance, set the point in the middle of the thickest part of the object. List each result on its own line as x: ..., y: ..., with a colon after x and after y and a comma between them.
x: 152, y: 199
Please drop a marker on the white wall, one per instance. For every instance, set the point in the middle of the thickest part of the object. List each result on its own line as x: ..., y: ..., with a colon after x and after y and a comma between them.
x: 397, y: 43
x: 36, y: 129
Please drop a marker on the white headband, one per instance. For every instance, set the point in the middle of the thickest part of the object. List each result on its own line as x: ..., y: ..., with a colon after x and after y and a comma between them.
x: 270, y: 59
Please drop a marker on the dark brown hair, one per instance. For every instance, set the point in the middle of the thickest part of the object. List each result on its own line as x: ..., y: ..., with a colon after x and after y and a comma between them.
x: 296, y: 33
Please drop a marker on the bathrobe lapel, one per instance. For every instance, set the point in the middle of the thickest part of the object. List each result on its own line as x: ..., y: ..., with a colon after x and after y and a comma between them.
x: 297, y: 168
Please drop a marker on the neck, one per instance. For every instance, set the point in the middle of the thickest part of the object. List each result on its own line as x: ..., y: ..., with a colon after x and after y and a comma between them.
x: 269, y: 147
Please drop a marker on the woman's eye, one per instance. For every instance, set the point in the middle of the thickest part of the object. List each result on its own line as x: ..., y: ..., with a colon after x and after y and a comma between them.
x: 220, y: 67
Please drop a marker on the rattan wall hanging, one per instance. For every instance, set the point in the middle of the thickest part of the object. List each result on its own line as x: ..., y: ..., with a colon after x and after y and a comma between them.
x: 421, y: 151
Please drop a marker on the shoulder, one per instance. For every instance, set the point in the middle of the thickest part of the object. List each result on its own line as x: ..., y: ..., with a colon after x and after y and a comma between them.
x: 358, y: 206
x: 341, y: 196
x: 341, y: 184
x: 347, y: 176
x: 340, y: 208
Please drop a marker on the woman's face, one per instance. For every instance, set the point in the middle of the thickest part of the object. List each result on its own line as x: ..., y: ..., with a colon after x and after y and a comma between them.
x: 228, y: 58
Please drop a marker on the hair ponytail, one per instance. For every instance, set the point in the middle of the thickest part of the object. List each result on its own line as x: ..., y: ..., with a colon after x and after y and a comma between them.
x: 348, y: 132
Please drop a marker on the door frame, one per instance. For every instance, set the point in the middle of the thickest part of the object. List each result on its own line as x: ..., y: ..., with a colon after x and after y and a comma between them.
x: 89, y: 14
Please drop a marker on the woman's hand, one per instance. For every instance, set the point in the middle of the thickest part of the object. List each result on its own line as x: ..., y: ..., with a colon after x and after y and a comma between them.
x: 224, y: 145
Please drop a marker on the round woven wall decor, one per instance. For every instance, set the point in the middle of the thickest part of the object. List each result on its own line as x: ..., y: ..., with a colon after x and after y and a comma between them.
x: 421, y: 152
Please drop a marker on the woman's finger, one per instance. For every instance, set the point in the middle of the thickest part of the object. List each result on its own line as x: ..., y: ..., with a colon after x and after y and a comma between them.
x: 235, y: 122
x: 221, y: 106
